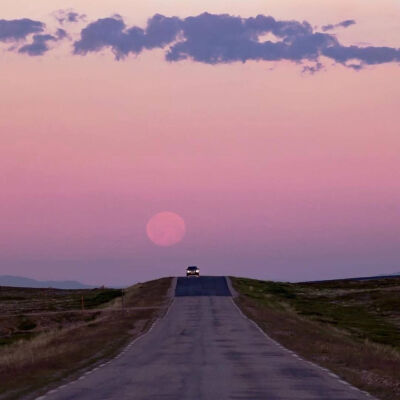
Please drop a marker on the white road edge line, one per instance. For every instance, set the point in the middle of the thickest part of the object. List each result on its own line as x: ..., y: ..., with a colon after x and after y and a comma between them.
x: 294, y: 354
x: 108, y: 362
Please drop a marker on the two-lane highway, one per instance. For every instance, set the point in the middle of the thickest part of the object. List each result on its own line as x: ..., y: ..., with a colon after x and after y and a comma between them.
x: 205, y: 349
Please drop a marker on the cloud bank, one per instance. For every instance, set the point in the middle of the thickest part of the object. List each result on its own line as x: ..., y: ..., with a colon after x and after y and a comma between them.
x: 215, y: 39
x: 208, y: 38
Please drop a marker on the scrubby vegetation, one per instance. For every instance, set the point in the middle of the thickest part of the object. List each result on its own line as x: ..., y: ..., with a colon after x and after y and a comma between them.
x: 349, y: 326
x: 46, y: 335
x: 28, y: 300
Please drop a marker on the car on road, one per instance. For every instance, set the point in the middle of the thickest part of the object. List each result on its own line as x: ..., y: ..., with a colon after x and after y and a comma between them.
x: 192, y: 270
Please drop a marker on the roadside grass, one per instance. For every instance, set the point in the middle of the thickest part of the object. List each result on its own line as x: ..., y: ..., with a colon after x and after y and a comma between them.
x: 25, y: 312
x: 95, y: 299
x: 350, y: 327
x: 29, y: 300
x: 59, y: 345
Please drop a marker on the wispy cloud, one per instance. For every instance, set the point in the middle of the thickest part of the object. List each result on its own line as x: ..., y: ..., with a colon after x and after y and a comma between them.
x: 343, y: 24
x: 312, y: 69
x: 68, y: 16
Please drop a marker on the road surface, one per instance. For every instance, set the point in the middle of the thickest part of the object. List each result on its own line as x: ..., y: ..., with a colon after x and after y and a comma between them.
x: 203, y: 286
x: 205, y: 349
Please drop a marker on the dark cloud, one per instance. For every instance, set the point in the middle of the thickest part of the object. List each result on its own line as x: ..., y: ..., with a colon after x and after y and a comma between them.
x: 365, y: 55
x: 22, y: 29
x: 109, y: 32
x: 113, y: 33
x: 40, y: 43
x: 343, y: 24
x: 18, y: 29
x: 214, y: 39
x: 61, y: 34
x: 223, y: 38
x: 206, y: 38
x: 161, y: 31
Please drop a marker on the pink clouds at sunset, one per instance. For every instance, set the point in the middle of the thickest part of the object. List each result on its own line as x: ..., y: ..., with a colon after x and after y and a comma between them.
x: 277, y: 172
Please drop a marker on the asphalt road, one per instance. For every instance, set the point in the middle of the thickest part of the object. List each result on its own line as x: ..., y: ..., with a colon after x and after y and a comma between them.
x: 202, y: 286
x: 205, y: 349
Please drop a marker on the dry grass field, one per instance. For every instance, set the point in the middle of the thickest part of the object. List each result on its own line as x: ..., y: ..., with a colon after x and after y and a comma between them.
x: 46, y: 336
x: 351, y: 327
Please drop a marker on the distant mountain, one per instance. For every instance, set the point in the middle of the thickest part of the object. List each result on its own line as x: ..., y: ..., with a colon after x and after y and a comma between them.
x: 19, y: 281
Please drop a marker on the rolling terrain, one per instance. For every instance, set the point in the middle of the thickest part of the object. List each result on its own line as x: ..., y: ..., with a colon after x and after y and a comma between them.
x: 46, y: 336
x: 203, y: 347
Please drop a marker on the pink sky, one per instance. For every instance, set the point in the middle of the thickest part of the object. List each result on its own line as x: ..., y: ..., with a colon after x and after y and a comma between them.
x: 277, y: 174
